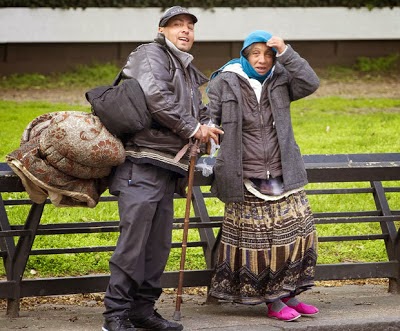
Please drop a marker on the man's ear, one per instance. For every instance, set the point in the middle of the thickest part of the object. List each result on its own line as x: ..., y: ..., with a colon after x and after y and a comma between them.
x: 161, y: 29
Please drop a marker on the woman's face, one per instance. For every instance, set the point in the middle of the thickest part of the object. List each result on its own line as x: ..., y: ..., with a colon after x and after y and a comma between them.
x: 261, y: 57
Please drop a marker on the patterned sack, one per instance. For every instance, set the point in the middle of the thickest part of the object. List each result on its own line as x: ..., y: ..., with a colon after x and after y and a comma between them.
x: 65, y: 156
x: 79, y: 145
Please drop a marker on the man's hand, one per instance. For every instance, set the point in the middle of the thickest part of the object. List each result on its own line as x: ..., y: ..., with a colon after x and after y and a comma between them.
x: 205, y: 133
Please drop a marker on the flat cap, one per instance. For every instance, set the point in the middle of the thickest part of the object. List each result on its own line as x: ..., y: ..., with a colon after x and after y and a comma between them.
x: 174, y: 11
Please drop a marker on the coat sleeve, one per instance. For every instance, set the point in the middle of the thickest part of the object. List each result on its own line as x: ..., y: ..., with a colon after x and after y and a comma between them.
x: 303, y: 81
x: 204, y: 113
x: 214, y: 100
x: 150, y: 65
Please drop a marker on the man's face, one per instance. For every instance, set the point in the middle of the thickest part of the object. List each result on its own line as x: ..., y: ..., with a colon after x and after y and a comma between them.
x: 180, y: 31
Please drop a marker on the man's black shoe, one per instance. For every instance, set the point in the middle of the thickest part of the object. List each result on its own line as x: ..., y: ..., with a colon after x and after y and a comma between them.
x: 118, y: 323
x: 156, y: 322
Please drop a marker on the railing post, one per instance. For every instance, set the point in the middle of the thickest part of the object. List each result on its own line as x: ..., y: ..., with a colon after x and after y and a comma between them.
x: 394, y: 286
x: 207, y: 234
x: 392, y: 245
x: 7, y: 243
x: 21, y: 257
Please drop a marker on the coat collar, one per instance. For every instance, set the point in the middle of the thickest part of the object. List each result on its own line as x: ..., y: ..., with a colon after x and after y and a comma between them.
x: 184, y: 57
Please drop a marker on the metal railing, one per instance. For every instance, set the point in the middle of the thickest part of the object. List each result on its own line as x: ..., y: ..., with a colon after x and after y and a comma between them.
x: 377, y: 170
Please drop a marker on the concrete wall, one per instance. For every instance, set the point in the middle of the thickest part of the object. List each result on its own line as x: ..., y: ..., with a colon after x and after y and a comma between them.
x: 46, y: 40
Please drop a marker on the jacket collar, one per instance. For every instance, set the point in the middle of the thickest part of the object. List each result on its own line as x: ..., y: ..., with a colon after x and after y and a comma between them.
x: 184, y: 57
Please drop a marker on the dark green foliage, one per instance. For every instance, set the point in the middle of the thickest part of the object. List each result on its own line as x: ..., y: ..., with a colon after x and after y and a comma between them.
x: 199, y: 3
x: 379, y: 65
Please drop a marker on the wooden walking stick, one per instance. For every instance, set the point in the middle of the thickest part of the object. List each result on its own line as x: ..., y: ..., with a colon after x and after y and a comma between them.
x: 192, y: 153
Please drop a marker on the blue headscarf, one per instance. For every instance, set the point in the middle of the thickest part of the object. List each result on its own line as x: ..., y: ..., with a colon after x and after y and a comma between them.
x: 257, y: 36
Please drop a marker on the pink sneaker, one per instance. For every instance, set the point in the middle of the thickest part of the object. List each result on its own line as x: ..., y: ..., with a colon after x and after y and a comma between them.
x: 303, y: 308
x: 287, y: 314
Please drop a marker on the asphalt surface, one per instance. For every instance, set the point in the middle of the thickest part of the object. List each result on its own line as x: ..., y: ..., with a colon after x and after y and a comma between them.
x: 347, y: 307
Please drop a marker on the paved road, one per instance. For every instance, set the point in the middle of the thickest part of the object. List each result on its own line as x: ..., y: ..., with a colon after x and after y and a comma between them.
x: 347, y: 308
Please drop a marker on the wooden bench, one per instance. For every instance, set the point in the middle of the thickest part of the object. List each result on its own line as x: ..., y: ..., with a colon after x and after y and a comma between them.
x: 376, y: 170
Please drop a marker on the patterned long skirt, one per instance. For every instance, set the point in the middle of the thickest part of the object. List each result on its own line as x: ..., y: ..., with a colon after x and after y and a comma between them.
x: 268, y: 250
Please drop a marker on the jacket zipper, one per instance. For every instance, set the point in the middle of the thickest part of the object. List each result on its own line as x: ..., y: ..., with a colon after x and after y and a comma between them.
x: 264, y: 139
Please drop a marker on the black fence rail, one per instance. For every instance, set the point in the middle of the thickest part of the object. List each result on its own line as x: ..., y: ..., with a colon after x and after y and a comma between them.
x: 381, y: 173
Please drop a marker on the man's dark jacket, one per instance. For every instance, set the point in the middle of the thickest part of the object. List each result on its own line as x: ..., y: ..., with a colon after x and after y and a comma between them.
x: 170, y: 83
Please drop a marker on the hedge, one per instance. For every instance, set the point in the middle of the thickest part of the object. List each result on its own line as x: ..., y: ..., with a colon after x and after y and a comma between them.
x: 199, y: 3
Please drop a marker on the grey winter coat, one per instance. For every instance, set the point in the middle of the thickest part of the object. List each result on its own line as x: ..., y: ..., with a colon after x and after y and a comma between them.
x: 170, y: 84
x: 293, y: 79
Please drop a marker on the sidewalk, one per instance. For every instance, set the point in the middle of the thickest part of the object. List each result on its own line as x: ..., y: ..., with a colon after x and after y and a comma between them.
x: 347, y: 307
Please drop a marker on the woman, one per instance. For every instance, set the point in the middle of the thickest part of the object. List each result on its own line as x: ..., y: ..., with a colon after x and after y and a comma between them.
x: 268, y: 243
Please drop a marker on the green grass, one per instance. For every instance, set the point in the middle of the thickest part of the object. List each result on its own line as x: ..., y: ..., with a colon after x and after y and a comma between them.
x: 81, y: 76
x: 15, y: 116
x: 334, y: 125
x: 329, y: 125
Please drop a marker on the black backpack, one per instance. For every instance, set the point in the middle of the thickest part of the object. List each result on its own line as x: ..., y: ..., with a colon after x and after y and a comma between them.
x: 121, y: 108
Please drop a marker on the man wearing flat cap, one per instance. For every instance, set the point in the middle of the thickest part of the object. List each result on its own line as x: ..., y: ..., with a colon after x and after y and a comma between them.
x: 156, y: 161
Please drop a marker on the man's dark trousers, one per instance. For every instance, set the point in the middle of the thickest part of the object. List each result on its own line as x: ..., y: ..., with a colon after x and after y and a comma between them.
x: 145, y: 201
